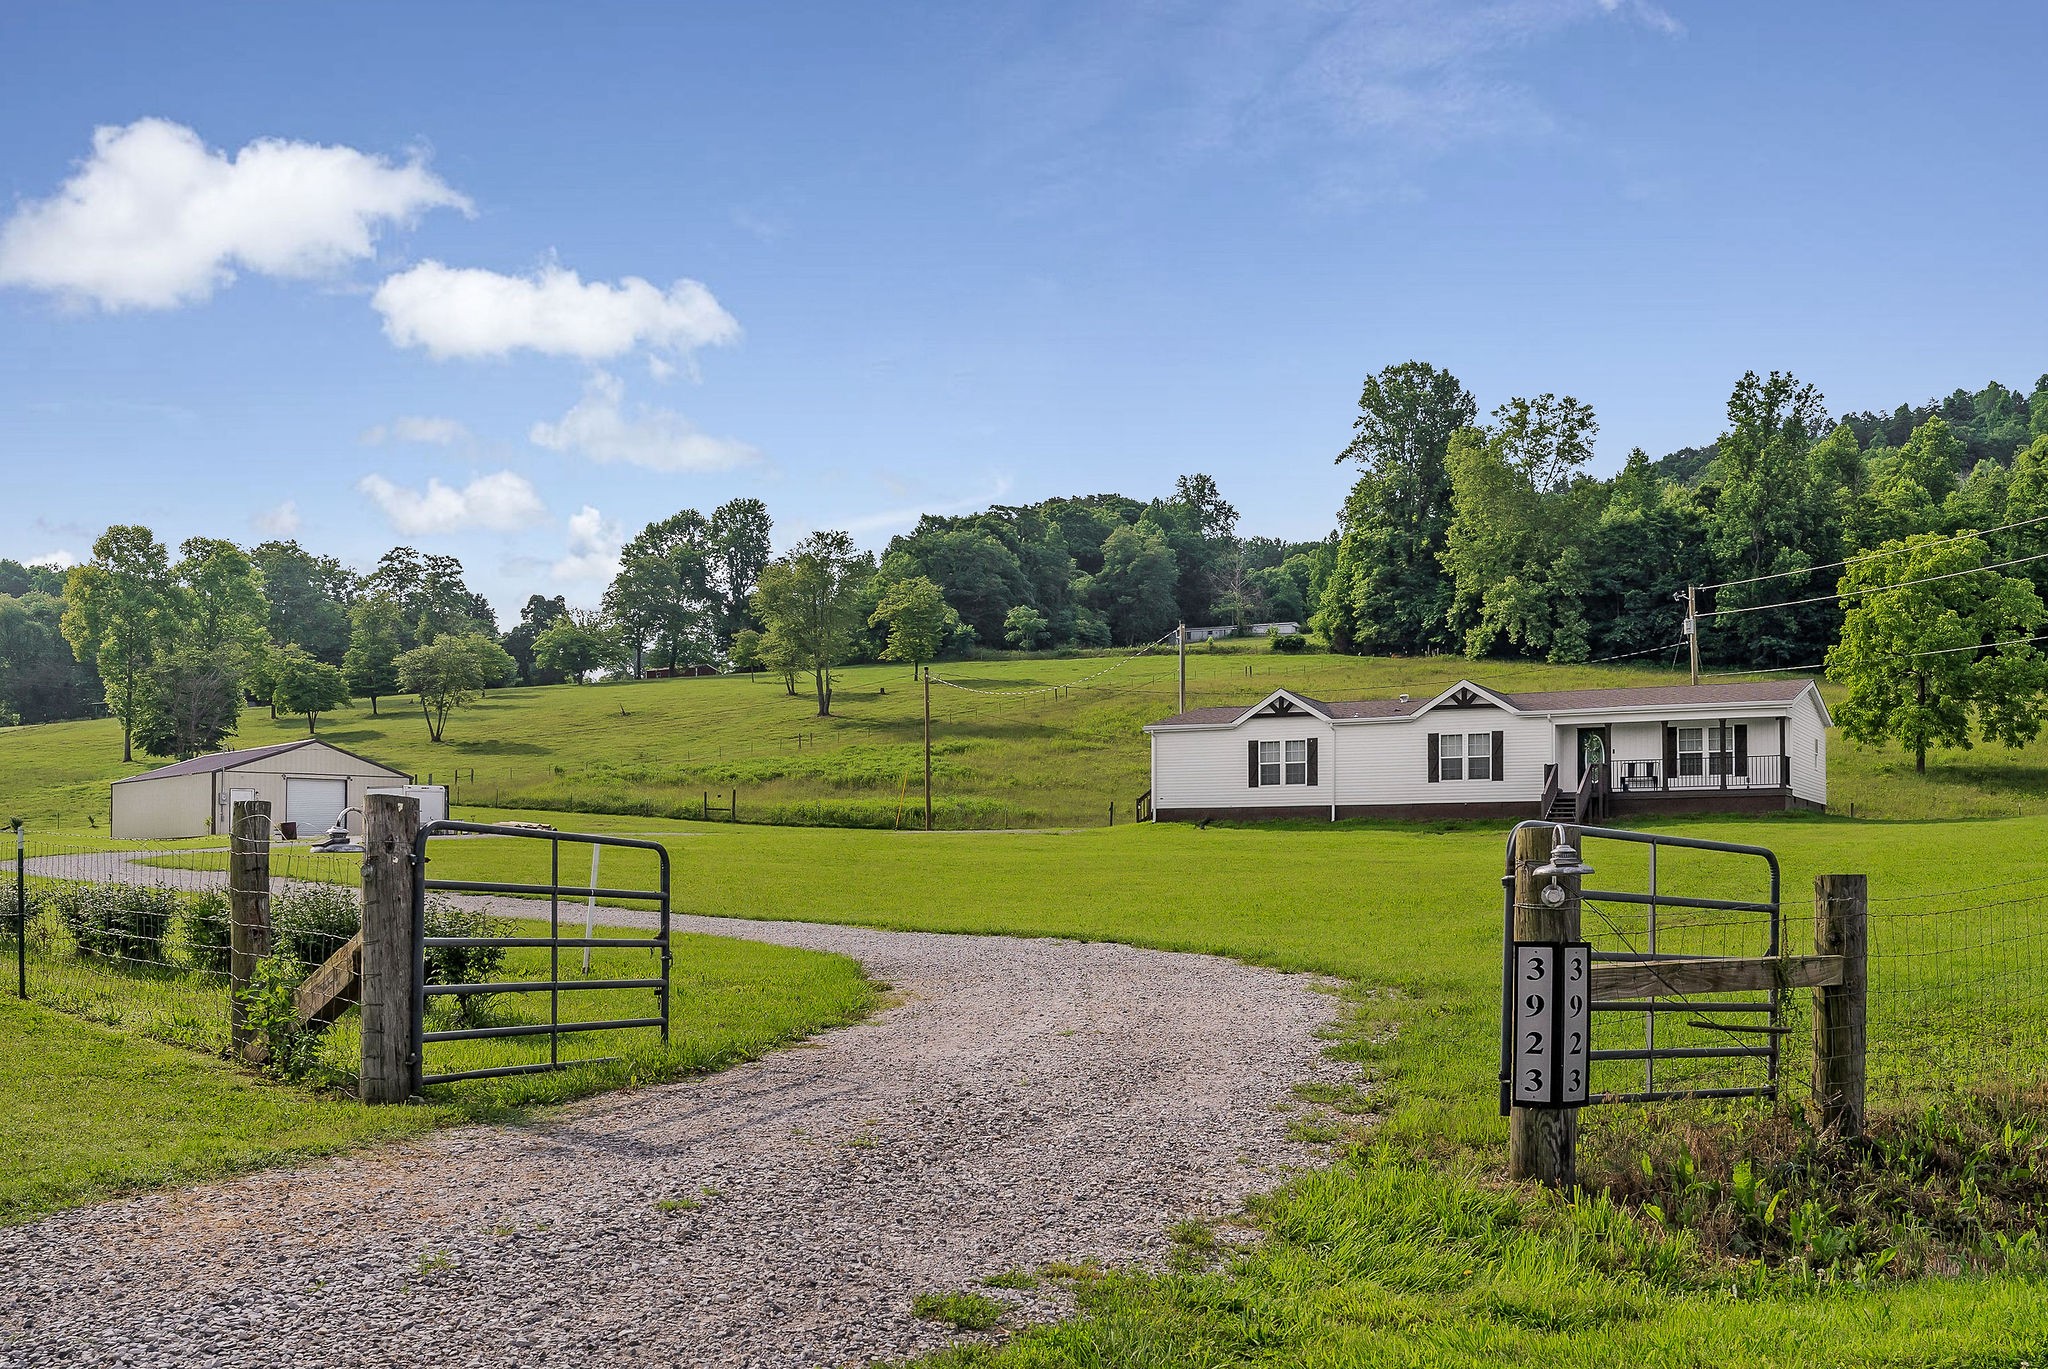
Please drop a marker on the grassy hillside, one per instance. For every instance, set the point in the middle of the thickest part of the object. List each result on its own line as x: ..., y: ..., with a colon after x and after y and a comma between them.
x: 656, y: 748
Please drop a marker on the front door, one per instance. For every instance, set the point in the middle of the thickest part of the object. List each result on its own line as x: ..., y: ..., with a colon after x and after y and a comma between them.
x: 1592, y: 748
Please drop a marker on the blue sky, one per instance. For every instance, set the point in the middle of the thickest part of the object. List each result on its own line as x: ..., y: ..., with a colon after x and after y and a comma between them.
x: 509, y: 281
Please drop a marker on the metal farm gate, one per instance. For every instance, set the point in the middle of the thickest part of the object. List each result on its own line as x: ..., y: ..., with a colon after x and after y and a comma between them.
x: 554, y: 985
x: 1633, y: 942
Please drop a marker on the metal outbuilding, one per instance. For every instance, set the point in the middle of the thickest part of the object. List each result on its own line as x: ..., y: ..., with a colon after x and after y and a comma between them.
x: 309, y: 782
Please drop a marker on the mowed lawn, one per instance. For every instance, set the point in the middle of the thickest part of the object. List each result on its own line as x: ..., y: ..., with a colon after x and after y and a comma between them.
x: 92, y: 1111
x: 1408, y: 1250
x: 667, y: 747
x: 1412, y: 1253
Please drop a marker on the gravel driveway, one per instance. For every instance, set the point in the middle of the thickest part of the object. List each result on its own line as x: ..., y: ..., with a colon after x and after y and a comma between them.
x: 1025, y: 1101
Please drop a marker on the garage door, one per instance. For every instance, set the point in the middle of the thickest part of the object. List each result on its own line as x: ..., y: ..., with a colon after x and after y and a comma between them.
x: 314, y: 804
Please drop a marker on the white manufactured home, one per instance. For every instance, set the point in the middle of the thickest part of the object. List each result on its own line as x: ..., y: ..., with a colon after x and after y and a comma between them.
x: 307, y: 782
x: 1470, y: 751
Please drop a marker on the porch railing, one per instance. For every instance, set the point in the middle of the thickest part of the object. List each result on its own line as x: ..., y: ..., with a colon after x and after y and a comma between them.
x: 1703, y: 770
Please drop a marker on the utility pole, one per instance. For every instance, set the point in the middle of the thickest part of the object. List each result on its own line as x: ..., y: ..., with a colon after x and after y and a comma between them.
x: 1692, y: 630
x: 927, y: 748
x: 1181, y: 635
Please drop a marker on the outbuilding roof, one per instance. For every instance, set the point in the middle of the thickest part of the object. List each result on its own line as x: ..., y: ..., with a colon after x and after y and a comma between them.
x: 231, y: 760
x: 1730, y: 693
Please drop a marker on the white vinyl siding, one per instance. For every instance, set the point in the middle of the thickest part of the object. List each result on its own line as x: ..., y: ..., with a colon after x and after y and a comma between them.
x: 1806, y: 743
x: 1206, y: 767
x: 1388, y: 763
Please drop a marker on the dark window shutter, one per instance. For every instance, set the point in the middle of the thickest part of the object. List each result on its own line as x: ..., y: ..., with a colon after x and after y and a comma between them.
x: 1312, y: 748
x: 1253, y: 749
x: 1500, y: 769
x: 1432, y: 758
x: 1670, y: 754
x: 1742, y: 748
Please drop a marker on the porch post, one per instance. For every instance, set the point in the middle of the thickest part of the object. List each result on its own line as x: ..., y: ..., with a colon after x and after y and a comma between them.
x: 1728, y: 741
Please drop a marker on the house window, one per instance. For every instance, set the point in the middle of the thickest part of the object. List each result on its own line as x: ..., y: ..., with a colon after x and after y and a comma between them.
x: 1285, y: 762
x: 1269, y: 763
x: 1464, y: 756
x: 1692, y: 758
x: 1705, y: 751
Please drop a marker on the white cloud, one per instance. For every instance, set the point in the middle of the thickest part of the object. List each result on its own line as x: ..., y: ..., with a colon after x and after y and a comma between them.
x: 281, y: 521
x: 467, y: 312
x: 501, y: 502
x: 437, y: 432
x: 55, y: 560
x: 155, y: 218
x: 598, y: 427
x: 594, y: 542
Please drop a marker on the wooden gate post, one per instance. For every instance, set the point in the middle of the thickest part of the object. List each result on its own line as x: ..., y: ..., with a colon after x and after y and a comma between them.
x: 1841, y: 926
x: 391, y: 1061
x: 248, y: 910
x: 1543, y: 1142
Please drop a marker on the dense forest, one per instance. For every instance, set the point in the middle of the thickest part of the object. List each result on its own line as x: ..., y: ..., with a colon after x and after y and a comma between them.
x: 1481, y: 537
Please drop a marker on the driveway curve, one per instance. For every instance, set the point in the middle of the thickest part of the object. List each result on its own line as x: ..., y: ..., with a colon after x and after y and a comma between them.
x: 1023, y: 1101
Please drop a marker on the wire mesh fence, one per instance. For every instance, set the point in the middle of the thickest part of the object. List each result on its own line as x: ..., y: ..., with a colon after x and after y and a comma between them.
x: 1958, y: 996
x: 1955, y: 999
x: 140, y: 938
x: 116, y: 937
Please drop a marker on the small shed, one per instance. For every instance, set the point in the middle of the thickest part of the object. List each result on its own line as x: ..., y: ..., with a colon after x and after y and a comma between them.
x: 309, y: 782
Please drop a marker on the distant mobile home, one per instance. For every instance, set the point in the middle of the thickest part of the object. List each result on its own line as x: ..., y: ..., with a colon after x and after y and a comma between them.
x: 1470, y: 751
x: 309, y: 782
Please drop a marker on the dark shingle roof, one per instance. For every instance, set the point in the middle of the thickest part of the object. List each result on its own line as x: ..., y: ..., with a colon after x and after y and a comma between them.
x: 1542, y: 701
x: 228, y: 760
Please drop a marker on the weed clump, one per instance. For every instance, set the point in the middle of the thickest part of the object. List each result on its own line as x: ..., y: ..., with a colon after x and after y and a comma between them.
x: 962, y: 1311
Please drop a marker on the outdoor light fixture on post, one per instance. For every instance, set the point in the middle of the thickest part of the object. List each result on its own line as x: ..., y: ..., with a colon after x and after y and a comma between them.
x: 1564, y: 862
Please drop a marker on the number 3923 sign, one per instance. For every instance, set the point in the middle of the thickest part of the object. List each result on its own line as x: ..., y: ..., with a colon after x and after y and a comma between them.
x: 1552, y: 1033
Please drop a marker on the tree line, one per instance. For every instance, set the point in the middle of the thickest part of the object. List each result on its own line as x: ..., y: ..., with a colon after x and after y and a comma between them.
x: 1460, y: 535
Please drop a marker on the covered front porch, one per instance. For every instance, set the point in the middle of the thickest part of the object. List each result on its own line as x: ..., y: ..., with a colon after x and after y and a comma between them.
x: 1612, y: 768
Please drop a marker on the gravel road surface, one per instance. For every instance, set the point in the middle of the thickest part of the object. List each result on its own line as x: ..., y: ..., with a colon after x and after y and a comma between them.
x: 1024, y: 1101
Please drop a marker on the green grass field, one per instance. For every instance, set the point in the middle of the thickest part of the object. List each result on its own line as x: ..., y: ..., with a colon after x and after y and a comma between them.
x: 1408, y: 1249
x: 96, y: 1107
x: 659, y: 747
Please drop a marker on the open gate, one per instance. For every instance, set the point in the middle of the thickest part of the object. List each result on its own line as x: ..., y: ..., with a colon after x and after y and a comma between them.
x: 554, y: 986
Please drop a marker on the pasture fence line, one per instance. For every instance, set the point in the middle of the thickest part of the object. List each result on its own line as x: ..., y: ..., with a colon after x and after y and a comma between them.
x: 156, y: 938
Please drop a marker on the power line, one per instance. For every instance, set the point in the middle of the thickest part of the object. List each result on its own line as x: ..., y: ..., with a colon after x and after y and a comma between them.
x: 1906, y: 656
x: 1631, y: 655
x: 1872, y: 589
x: 1872, y: 556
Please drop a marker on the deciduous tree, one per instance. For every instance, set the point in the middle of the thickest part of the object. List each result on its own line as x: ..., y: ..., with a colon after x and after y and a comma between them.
x: 1026, y: 628
x: 808, y: 599
x: 301, y: 684
x: 115, y: 617
x: 1930, y: 664
x: 371, y: 662
x: 919, y: 622
x: 445, y: 675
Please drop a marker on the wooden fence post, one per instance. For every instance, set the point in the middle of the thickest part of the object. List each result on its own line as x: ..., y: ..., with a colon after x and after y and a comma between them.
x: 391, y: 1063
x: 1841, y: 926
x: 1543, y: 1142
x: 248, y: 911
